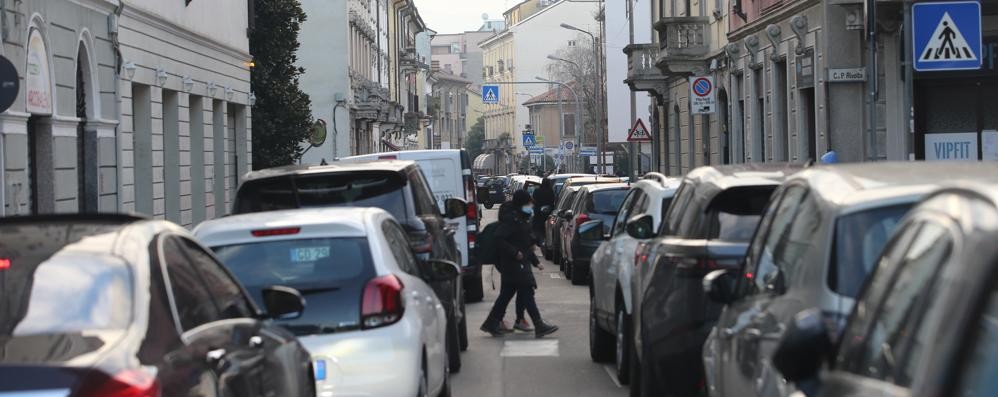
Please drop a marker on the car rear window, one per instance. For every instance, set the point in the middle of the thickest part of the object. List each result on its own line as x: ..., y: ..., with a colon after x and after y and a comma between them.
x: 48, y: 290
x: 859, y: 239
x: 355, y: 189
x: 606, y: 201
x: 734, y: 213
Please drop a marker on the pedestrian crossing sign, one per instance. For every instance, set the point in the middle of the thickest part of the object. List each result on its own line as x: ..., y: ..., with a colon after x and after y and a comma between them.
x: 947, y: 36
x: 490, y: 94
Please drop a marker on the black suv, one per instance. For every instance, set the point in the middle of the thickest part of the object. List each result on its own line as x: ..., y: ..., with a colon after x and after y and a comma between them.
x: 110, y: 305
x: 398, y: 187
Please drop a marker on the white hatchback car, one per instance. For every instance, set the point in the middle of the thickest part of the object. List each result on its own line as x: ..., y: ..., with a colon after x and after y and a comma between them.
x: 374, y: 326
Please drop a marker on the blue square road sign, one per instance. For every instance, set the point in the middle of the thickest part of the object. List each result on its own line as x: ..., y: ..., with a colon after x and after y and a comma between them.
x: 529, y: 141
x: 946, y: 36
x: 490, y: 94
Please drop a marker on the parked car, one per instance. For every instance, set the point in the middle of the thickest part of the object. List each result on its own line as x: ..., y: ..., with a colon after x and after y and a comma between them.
x: 496, y: 192
x: 395, y: 186
x: 586, y: 223
x: 558, y: 180
x: 816, y: 244
x: 448, y: 173
x: 552, y: 238
x: 708, y: 226
x: 519, y: 182
x: 926, y: 324
x: 610, y: 294
x: 372, y: 305
x: 108, y: 305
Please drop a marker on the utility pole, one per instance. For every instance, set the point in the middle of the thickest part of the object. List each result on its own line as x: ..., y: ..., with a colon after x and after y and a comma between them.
x: 635, y: 147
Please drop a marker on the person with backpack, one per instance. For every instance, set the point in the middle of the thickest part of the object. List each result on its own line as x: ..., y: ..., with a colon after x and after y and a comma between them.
x: 514, y: 249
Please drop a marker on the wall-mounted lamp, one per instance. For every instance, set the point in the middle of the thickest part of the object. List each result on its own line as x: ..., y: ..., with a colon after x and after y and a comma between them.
x: 252, y: 99
x: 188, y: 84
x: 229, y: 92
x: 161, y: 77
x: 212, y: 87
x: 129, y: 70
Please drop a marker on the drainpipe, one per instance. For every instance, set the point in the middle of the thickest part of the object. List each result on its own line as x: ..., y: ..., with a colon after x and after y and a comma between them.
x: 872, y: 80
x: 908, y: 129
x: 113, y: 31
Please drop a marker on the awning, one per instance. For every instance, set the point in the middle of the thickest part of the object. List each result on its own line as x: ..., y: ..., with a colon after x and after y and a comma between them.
x: 484, y: 162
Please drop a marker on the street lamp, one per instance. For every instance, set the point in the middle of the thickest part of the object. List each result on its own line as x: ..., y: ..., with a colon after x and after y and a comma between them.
x: 599, y: 89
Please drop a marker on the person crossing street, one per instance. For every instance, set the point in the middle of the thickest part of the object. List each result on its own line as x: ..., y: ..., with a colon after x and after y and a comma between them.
x: 514, y: 243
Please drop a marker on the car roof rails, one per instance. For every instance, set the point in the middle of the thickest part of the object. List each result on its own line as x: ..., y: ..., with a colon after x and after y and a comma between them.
x: 109, y: 218
x: 656, y: 176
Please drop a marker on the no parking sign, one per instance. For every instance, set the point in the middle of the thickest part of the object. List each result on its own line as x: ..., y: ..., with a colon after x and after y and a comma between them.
x: 702, y: 97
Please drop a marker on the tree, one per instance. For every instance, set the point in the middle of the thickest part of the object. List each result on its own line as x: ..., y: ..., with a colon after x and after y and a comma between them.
x: 476, y: 137
x: 581, y: 71
x: 282, y: 116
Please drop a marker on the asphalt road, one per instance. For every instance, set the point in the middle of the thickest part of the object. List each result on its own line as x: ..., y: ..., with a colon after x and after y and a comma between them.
x: 519, y: 365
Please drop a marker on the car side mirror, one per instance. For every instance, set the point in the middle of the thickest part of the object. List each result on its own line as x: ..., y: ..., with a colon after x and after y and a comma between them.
x: 441, y: 270
x: 546, y: 210
x: 592, y: 230
x: 720, y: 285
x: 640, y: 227
x: 568, y: 214
x: 455, y: 208
x: 804, y: 347
x: 283, y: 303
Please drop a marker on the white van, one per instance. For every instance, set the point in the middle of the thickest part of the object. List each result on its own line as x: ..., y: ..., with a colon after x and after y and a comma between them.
x: 449, y: 173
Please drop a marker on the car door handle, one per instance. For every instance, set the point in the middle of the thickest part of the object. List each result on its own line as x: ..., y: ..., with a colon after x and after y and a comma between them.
x: 256, y: 342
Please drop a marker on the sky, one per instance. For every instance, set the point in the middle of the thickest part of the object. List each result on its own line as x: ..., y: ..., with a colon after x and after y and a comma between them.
x: 456, y: 16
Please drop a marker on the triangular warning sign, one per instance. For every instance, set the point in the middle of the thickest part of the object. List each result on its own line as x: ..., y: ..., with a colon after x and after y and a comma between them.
x: 639, y: 133
x: 490, y: 96
x: 947, y: 44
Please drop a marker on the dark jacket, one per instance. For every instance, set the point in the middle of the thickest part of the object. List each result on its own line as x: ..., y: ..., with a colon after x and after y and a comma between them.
x: 514, y: 235
x: 543, y: 197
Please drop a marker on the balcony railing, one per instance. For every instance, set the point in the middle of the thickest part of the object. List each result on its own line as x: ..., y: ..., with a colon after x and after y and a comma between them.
x: 642, y: 74
x: 684, y: 43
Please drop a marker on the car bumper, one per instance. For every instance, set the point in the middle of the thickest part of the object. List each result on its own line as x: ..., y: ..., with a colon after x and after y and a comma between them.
x: 379, y: 362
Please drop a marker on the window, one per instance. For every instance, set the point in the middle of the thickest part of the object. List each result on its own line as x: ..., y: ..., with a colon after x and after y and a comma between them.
x: 859, y: 240
x: 606, y: 201
x: 674, y: 215
x: 226, y: 292
x: 979, y: 379
x: 895, y: 344
x: 191, y: 299
x: 732, y: 215
x: 400, y: 248
x: 789, y: 251
x: 767, y: 269
x: 422, y: 196
x: 619, y: 223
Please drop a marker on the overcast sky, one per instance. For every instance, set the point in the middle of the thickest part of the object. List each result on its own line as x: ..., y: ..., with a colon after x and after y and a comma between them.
x: 456, y: 16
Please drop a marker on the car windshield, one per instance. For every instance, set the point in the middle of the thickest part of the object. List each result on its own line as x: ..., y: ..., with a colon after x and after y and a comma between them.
x: 49, y: 287
x: 355, y: 189
x: 329, y: 272
x: 859, y: 239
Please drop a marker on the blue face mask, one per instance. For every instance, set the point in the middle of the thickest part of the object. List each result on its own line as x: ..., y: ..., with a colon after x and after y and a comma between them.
x: 528, y: 209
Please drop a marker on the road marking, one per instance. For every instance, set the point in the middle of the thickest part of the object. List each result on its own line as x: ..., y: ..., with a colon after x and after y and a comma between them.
x: 531, y: 348
x: 555, y: 275
x: 612, y: 371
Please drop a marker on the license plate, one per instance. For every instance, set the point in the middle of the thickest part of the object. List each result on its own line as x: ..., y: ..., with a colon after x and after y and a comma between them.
x: 309, y: 254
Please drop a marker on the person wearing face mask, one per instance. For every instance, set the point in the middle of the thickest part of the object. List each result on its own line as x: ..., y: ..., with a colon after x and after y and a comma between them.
x: 515, y: 244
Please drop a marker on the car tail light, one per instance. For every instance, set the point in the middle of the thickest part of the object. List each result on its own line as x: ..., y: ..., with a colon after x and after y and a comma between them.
x: 421, y: 242
x: 382, y: 302
x: 641, y: 254
x: 4, y: 263
x: 127, y: 383
x: 582, y: 218
x: 695, y: 266
x: 276, y: 232
x: 472, y: 237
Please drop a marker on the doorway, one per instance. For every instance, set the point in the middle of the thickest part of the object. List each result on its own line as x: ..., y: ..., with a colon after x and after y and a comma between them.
x: 808, y: 129
x: 87, y: 166
x: 723, y: 127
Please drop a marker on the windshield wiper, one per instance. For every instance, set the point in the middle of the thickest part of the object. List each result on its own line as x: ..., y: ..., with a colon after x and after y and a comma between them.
x: 317, y: 290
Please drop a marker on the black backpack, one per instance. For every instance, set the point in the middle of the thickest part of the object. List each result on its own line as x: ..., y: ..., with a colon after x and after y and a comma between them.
x: 485, y: 245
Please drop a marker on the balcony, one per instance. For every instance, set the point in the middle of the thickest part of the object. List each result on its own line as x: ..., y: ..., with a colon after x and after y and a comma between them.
x: 684, y: 43
x: 642, y: 74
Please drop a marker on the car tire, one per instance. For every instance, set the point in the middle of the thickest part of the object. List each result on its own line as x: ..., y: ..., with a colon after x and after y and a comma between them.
x: 547, y: 253
x: 474, y: 290
x: 445, y: 389
x: 635, y: 378
x: 600, y: 342
x: 453, y: 348
x: 556, y: 257
x: 578, y: 274
x: 462, y: 333
x: 565, y: 264
x: 622, y: 350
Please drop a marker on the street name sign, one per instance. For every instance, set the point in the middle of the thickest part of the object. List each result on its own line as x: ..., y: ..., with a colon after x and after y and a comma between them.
x: 947, y: 36
x: 588, y: 151
x: 639, y: 133
x: 703, y: 98
x: 490, y: 94
x: 851, y: 75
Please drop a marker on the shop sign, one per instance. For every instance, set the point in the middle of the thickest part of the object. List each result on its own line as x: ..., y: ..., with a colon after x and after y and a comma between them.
x: 38, y: 82
x: 989, y: 145
x: 851, y: 75
x: 951, y: 147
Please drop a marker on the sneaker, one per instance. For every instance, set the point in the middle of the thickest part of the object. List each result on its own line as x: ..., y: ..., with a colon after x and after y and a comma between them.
x: 491, y: 330
x: 544, y: 329
x: 523, y: 325
x: 504, y: 328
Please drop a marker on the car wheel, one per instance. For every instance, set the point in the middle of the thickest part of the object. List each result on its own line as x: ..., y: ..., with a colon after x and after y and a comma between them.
x: 568, y: 268
x: 635, y: 378
x: 600, y: 341
x: 623, y: 348
x: 474, y: 291
x: 462, y: 332
x: 578, y: 274
x: 453, y: 348
x: 445, y: 389
x: 547, y: 253
x: 556, y: 257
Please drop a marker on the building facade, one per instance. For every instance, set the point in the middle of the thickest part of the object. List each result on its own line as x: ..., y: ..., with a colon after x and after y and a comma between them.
x: 450, y: 100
